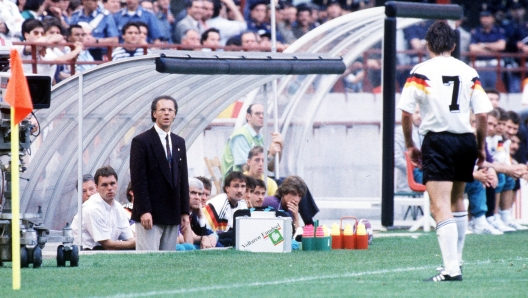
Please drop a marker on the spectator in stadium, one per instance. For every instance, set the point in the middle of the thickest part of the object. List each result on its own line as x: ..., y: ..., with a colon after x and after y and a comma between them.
x: 285, y: 25
x: 103, y: 27
x: 207, y: 189
x: 105, y: 225
x: 88, y: 189
x: 210, y: 39
x: 10, y: 20
x: 248, y: 40
x: 193, y: 21
x: 450, y: 150
x: 112, y: 6
x: 250, y: 188
x: 255, y: 168
x: 147, y: 5
x: 400, y: 163
x: 415, y: 37
x: 220, y: 209
x: 133, y: 12
x: 228, y: 28
x: 246, y: 137
x: 207, y: 12
x: 55, y: 8
x: 76, y: 33
x: 166, y: 20
x: 287, y: 198
x: 506, y: 196
x: 487, y: 40
x: 33, y: 31
x: 257, y: 198
x: 161, y: 189
x: 143, y: 33
x: 131, y: 45
x: 333, y: 10
x: 130, y: 206
x: 190, y: 40
x: 201, y: 236
x: 258, y: 19
x: 303, y: 23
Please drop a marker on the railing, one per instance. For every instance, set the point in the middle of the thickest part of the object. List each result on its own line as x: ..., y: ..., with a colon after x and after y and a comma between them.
x: 521, y: 66
x: 111, y: 46
x: 420, y: 56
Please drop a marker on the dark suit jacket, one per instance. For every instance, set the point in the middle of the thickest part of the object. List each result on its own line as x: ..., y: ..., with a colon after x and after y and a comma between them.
x: 157, y: 190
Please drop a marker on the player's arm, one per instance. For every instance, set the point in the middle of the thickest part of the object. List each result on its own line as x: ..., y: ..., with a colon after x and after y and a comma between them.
x: 481, y: 123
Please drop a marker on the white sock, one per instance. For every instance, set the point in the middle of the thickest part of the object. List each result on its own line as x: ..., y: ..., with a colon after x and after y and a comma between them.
x: 505, y: 215
x: 447, y: 234
x: 461, y: 219
x: 480, y: 221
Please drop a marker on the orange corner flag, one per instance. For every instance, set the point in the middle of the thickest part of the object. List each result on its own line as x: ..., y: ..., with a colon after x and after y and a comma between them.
x: 17, y: 93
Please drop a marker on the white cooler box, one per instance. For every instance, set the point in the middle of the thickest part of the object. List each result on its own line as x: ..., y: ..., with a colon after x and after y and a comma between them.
x: 262, y: 231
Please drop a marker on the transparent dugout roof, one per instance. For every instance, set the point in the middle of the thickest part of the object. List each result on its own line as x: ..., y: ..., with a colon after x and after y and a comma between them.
x: 116, y: 103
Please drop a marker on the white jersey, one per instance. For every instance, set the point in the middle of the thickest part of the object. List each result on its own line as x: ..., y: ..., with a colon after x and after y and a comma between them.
x: 446, y: 89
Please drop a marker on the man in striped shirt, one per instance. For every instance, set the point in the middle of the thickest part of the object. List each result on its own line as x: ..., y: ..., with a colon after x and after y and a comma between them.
x: 131, y: 43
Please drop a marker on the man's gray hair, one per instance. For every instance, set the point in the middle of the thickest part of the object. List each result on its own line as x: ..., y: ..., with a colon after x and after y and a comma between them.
x: 193, y: 182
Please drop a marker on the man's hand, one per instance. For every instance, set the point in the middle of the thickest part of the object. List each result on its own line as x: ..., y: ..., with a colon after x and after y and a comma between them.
x: 493, y: 180
x: 481, y: 175
x: 146, y: 221
x: 206, y: 242
x: 416, y: 157
x: 481, y: 157
x: 294, y: 209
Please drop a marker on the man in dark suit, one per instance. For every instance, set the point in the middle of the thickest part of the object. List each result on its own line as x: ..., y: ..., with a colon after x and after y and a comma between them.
x: 158, y: 170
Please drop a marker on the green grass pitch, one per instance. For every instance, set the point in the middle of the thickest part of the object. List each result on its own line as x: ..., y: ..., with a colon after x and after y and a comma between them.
x: 495, y: 266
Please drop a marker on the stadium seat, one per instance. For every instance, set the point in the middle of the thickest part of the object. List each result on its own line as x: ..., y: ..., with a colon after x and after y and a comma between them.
x: 215, y: 169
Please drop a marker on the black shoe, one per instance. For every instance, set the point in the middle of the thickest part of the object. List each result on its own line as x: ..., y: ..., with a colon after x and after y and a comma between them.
x: 444, y: 277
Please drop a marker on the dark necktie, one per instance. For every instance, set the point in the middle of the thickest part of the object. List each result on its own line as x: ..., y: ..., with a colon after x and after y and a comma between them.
x: 169, y: 155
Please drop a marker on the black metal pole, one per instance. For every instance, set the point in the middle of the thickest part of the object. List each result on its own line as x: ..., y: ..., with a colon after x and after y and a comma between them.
x: 389, y: 110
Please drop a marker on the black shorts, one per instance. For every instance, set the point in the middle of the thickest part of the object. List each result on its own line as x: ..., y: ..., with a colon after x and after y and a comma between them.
x: 449, y: 157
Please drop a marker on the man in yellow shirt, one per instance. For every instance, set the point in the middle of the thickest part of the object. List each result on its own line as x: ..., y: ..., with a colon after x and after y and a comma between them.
x: 255, y: 164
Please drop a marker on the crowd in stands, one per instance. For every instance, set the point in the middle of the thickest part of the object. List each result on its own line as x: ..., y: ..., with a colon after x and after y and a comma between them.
x: 203, y: 25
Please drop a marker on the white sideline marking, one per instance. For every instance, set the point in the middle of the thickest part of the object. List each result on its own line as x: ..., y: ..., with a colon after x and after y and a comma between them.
x: 280, y: 282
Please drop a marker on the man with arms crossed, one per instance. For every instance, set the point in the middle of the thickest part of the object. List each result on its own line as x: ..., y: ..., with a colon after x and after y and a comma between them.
x: 158, y: 171
x: 446, y: 90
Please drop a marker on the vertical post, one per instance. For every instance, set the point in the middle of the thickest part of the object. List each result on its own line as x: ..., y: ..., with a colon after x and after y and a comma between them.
x: 274, y: 86
x: 389, y: 110
x: 80, y: 156
x: 456, y: 52
x: 15, y: 202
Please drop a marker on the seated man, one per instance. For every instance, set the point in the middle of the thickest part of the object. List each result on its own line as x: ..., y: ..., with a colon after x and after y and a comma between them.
x: 288, y: 197
x: 201, y: 236
x: 207, y: 189
x: 257, y: 198
x: 105, y: 225
x: 131, y: 44
x: 255, y: 169
x: 88, y: 189
x: 219, y: 210
x: 250, y: 187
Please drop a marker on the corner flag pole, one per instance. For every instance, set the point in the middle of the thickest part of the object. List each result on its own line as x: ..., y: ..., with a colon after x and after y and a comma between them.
x: 15, y: 202
x: 18, y: 97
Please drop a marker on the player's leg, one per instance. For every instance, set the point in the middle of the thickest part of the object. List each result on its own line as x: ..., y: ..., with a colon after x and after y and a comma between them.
x: 460, y: 215
x: 446, y: 228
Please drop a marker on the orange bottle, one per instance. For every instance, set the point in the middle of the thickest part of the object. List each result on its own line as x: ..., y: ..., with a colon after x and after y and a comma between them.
x: 349, y: 239
x: 337, y: 238
x: 362, y: 237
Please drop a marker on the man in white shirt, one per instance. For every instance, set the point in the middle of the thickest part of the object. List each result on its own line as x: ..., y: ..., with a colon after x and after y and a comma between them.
x: 105, y: 224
